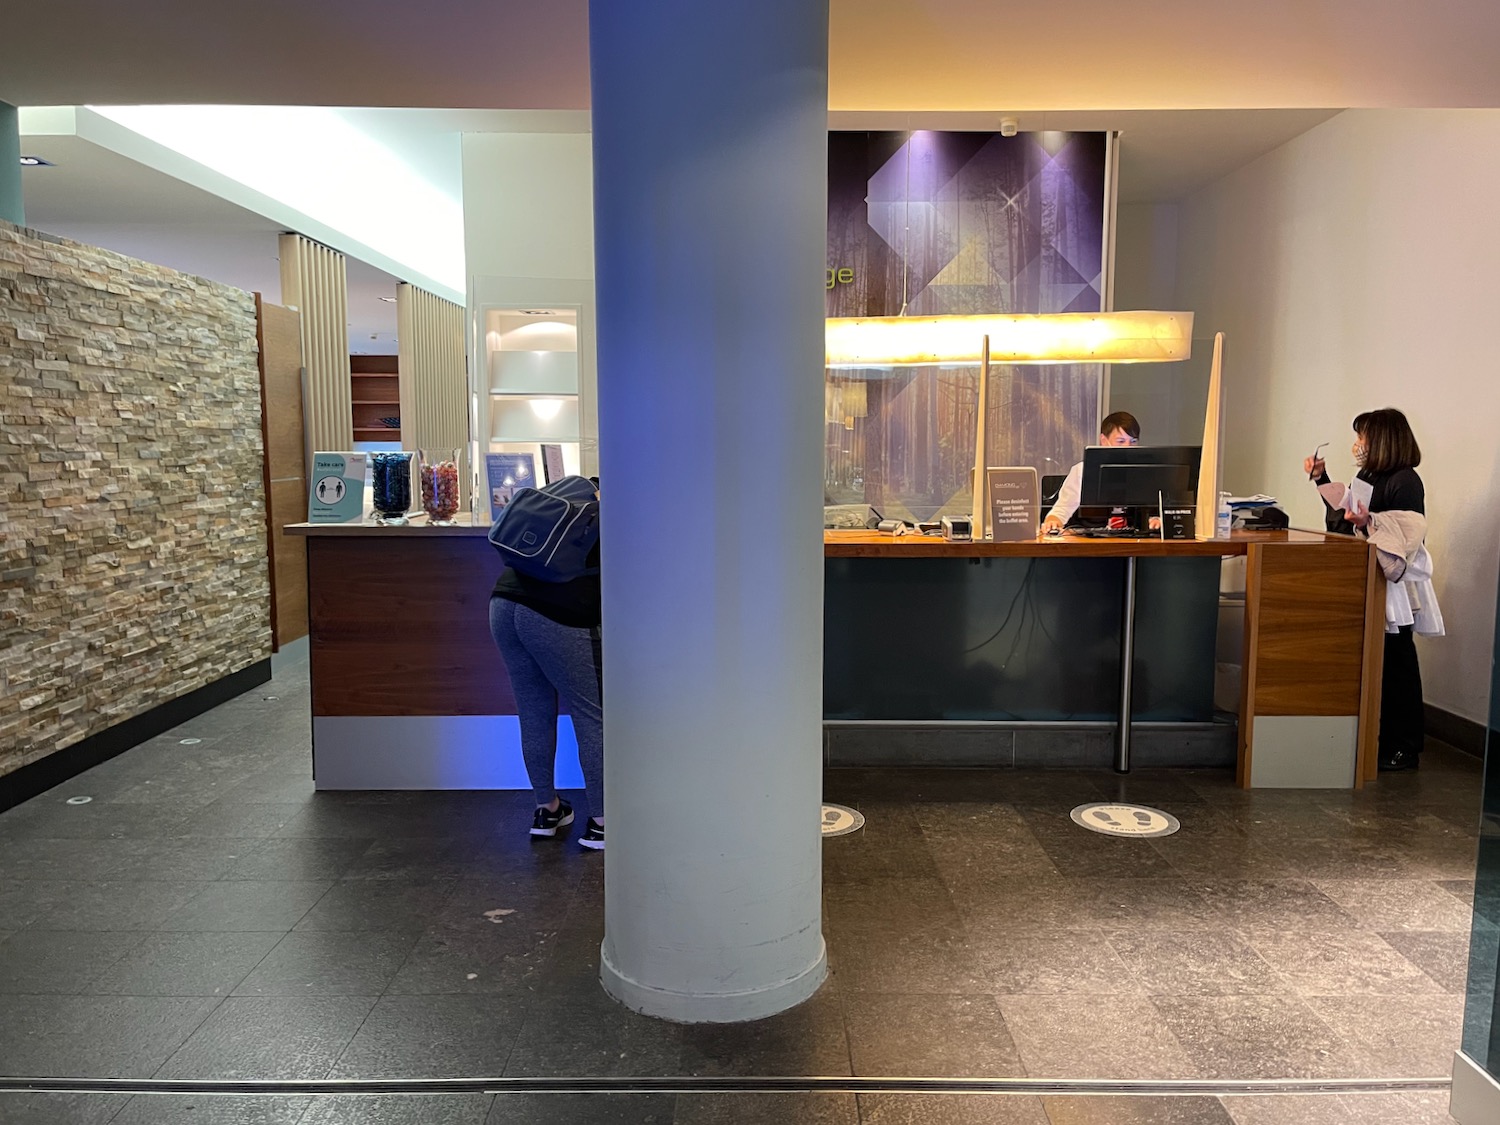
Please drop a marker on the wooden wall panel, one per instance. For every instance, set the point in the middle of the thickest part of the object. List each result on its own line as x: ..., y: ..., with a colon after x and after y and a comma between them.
x: 400, y: 626
x: 1309, y: 628
x: 314, y: 281
x: 279, y: 332
x: 434, y: 374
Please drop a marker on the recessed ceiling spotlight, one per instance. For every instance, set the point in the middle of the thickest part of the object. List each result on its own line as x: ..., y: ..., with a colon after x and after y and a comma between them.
x: 389, y: 300
x: 36, y: 162
x: 536, y: 312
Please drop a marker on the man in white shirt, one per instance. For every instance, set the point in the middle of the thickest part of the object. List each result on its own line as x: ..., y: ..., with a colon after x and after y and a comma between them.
x: 1120, y: 428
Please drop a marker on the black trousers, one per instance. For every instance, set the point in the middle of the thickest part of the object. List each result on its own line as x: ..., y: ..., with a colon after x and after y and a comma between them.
x: 1402, y: 720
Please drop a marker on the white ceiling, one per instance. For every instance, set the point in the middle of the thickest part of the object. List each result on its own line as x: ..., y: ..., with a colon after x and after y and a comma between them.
x: 884, y: 54
x: 95, y: 196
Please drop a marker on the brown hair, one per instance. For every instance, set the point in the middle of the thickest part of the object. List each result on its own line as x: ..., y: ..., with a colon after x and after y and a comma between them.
x: 1389, y: 442
x: 1121, y: 420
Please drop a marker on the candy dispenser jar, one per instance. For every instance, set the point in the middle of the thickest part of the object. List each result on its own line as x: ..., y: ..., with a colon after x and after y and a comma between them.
x: 439, y: 473
x: 390, y: 486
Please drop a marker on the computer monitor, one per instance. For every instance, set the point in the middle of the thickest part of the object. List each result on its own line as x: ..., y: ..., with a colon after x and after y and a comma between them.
x: 1139, y: 476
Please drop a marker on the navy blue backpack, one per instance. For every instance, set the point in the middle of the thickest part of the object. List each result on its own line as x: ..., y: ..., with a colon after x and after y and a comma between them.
x: 548, y: 533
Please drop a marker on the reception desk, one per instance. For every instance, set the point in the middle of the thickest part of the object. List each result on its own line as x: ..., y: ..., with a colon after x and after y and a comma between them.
x: 409, y: 691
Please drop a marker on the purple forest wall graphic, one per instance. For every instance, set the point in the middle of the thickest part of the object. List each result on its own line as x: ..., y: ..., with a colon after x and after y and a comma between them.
x: 929, y: 223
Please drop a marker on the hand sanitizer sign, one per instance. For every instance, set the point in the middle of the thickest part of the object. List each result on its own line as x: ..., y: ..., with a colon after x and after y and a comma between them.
x: 337, y: 494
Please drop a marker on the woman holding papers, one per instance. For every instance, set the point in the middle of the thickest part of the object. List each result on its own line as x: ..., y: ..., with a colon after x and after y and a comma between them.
x: 1386, y: 503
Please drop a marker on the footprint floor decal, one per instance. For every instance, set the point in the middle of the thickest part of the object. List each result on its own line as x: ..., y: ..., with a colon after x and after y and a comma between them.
x: 1114, y: 819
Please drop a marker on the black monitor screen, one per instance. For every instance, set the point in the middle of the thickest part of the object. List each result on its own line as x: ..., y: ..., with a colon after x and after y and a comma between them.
x: 1139, y: 476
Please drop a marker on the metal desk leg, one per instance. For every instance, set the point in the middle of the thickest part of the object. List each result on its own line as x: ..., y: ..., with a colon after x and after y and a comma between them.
x: 1127, y: 667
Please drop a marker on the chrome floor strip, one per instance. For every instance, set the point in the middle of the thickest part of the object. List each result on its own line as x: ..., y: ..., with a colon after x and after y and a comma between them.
x: 682, y: 1084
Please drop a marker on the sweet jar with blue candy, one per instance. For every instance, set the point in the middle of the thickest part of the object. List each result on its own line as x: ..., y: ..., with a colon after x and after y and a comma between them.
x: 390, y: 486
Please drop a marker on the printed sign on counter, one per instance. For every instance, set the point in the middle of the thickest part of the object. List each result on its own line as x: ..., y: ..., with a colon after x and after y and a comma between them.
x: 337, y: 494
x: 1014, y: 500
x: 507, y: 472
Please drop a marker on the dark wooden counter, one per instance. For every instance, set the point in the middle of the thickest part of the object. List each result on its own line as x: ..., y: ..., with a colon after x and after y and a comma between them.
x: 875, y: 544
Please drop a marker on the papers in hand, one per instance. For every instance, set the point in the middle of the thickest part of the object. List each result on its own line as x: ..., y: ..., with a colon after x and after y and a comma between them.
x: 1259, y: 500
x: 1353, y: 497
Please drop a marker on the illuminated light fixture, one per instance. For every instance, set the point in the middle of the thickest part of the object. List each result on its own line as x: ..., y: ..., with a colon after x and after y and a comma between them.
x: 921, y: 341
x: 546, y: 408
x: 36, y: 162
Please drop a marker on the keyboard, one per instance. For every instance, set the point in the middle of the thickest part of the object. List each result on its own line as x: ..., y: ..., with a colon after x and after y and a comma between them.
x: 1107, y: 532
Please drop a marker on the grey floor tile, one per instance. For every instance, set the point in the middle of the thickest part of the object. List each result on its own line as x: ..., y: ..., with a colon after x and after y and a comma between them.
x: 406, y: 1109
x: 1341, y: 963
x: 1018, y: 855
x: 475, y: 959
x: 181, y: 858
x: 62, y: 962
x: 994, y: 902
x: 1080, y: 854
x: 1136, y: 1111
x: 306, y: 860
x: 270, y: 1037
x: 417, y: 858
x: 434, y: 1037
x: 185, y: 964
x: 329, y: 964
x: 1443, y: 956
x: 807, y: 1039
x: 1146, y: 904
x: 201, y: 1109
x: 1272, y: 904
x: 950, y: 1109
x: 95, y: 1036
x: 240, y: 818
x: 930, y: 1036
x: 136, y: 904
x: 1225, y: 857
x: 589, y: 1033
x: 1116, y: 1037
x: 900, y: 935
x: 52, y: 817
x: 1398, y: 904
x: 891, y: 845
x: 58, y: 860
x: 599, y: 1109
x: 766, y: 1109
x: 1053, y: 962
x: 1195, y: 963
x: 379, y: 904
x: 1255, y: 1037
x: 1397, y: 1036
x: 248, y: 905
x: 60, y: 1109
x: 1295, y: 1109
x: 23, y: 901
x: 1407, y: 1108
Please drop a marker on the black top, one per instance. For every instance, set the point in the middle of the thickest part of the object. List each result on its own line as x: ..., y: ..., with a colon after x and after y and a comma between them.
x: 1399, y: 490
x: 574, y: 603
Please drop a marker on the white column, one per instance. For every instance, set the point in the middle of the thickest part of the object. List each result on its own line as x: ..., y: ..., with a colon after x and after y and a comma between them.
x: 710, y: 187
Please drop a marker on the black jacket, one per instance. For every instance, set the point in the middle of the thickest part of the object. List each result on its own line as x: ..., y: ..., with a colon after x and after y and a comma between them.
x: 574, y: 604
x: 1399, y: 490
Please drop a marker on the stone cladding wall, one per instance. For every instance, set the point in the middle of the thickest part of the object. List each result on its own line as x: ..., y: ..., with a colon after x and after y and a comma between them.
x: 132, y: 522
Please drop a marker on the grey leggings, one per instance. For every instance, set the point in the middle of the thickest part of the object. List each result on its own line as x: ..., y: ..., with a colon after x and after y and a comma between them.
x: 547, y: 660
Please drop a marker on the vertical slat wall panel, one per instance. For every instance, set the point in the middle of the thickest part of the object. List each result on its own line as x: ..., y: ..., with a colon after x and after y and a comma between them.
x: 434, y: 373
x: 313, y: 280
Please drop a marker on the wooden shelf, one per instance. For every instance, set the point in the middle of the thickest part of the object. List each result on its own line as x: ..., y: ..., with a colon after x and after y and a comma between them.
x: 375, y: 402
x: 395, y: 433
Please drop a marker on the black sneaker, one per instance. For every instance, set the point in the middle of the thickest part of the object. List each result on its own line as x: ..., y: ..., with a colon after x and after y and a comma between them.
x: 546, y: 822
x: 593, y: 836
x: 1400, y: 760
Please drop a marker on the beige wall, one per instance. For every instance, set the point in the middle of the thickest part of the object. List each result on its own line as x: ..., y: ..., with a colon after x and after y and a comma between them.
x: 1353, y: 268
x: 132, y: 524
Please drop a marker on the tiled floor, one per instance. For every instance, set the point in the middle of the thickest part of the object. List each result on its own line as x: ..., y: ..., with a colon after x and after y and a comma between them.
x: 207, y: 916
